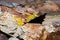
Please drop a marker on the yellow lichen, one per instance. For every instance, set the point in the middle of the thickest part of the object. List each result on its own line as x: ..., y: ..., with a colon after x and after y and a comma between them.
x: 19, y: 21
x: 31, y: 17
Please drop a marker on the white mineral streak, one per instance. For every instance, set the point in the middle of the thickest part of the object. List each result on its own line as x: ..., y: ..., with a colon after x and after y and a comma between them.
x: 10, y: 25
x: 13, y: 38
x: 8, y: 21
x: 49, y: 28
x: 25, y: 32
x: 18, y: 32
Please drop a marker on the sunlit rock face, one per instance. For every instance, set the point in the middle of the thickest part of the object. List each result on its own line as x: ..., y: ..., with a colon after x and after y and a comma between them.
x: 9, y: 25
x: 52, y: 19
x: 32, y: 31
x: 10, y: 22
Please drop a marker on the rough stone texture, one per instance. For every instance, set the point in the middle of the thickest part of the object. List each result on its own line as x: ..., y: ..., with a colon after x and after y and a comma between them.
x: 3, y: 37
x: 54, y: 36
